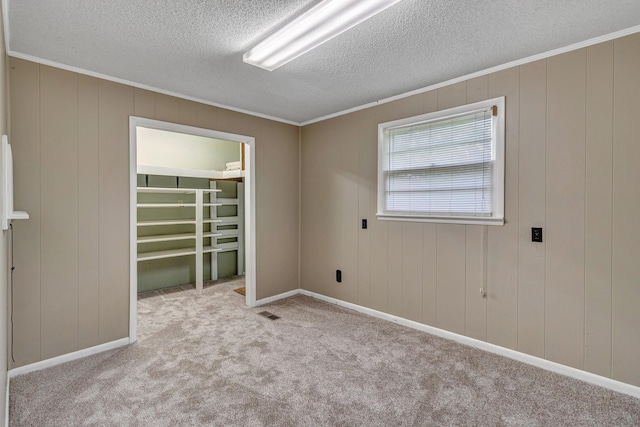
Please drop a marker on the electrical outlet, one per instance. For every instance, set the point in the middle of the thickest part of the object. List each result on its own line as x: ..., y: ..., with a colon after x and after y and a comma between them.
x: 536, y: 234
x: 339, y: 276
x: 364, y: 224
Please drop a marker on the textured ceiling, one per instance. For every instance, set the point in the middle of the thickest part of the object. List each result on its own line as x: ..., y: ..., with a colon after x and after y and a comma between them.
x: 194, y: 47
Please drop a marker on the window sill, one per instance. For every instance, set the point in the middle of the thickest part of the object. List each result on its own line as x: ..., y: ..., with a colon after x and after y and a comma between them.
x: 469, y: 220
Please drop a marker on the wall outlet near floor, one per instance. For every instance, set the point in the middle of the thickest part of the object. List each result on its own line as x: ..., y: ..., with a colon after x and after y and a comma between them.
x: 339, y: 276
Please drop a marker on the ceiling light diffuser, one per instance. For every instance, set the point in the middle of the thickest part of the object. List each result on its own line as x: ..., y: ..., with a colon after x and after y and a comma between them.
x: 319, y: 24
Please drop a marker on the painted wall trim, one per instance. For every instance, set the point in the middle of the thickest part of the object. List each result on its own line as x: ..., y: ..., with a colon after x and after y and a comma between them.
x: 548, y: 365
x: 90, y: 73
x: 278, y: 297
x: 544, y: 55
x: 47, y: 363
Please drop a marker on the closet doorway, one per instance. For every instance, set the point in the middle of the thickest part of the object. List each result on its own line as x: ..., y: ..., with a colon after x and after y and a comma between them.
x: 192, y: 204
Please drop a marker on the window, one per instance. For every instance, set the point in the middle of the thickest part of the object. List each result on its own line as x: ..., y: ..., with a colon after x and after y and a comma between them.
x: 446, y: 166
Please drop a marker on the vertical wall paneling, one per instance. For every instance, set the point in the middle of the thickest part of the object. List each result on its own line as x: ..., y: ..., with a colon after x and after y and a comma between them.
x: 477, y: 89
x: 70, y: 139
x: 502, y: 242
x: 59, y: 200
x: 207, y: 117
x: 333, y: 209
x: 572, y: 298
x: 475, y: 247
x: 367, y: 196
x: 115, y: 106
x: 407, y: 107
x: 144, y: 103
x: 395, y: 257
x: 316, y: 270
x: 222, y: 120
x: 412, y: 271
x: 25, y: 143
x: 475, y: 264
x: 397, y: 285
x: 429, y: 274
x: 325, y: 194
x: 599, y: 208
x: 565, y: 207
x: 276, y: 208
x: 88, y: 212
x: 450, y: 266
x: 532, y: 160
x: 379, y: 262
x: 238, y: 123
x: 189, y: 113
x: 626, y: 211
x: 430, y: 101
x: 378, y: 230
x: 452, y: 96
x: 451, y: 245
x: 311, y: 205
x: 167, y: 108
x: 349, y: 224
x: 429, y: 242
x: 563, y: 109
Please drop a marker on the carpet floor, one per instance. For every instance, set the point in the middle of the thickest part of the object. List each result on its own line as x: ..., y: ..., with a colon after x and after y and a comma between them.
x: 209, y: 360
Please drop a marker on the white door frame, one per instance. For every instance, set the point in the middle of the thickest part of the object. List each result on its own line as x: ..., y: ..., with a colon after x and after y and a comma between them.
x: 249, y: 197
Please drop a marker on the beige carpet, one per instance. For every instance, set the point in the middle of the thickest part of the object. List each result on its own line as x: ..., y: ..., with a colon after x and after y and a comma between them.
x: 209, y: 360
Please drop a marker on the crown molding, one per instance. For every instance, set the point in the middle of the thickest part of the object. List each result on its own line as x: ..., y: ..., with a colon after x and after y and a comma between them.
x: 544, y: 55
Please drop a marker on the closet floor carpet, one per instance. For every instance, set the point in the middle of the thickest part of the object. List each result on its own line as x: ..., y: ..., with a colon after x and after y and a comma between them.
x: 209, y: 360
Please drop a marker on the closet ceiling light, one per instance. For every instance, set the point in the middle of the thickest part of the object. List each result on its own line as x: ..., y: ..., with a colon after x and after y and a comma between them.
x: 319, y: 24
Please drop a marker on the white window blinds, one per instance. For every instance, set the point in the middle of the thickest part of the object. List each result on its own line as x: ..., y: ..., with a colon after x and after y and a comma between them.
x: 441, y: 167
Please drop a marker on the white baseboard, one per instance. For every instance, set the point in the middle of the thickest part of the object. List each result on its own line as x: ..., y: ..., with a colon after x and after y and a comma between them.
x: 274, y: 298
x: 491, y: 348
x: 558, y: 368
x: 66, y: 358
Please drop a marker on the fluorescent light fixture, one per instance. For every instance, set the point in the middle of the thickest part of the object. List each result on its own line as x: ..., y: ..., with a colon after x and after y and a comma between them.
x: 319, y: 24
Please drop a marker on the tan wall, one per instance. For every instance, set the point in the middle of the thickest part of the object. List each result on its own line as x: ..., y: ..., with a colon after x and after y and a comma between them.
x: 70, y: 137
x: 4, y: 271
x: 571, y: 167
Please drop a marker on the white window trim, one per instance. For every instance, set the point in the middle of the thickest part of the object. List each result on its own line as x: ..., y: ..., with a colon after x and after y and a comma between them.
x: 498, y: 196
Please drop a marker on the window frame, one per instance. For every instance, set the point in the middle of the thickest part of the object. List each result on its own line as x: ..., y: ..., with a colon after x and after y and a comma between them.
x: 498, y: 145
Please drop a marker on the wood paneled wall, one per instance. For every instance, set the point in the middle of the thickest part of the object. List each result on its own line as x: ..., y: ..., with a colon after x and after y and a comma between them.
x: 572, y: 156
x: 70, y: 138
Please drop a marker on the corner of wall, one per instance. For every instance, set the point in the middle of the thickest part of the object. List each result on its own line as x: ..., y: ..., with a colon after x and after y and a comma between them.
x: 299, y: 207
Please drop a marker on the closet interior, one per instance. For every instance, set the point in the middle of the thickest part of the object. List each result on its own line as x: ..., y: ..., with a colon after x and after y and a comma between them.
x: 190, y: 209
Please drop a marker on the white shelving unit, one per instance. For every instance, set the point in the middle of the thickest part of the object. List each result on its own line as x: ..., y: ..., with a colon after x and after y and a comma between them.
x: 236, y: 233
x: 196, y: 219
x: 194, y: 173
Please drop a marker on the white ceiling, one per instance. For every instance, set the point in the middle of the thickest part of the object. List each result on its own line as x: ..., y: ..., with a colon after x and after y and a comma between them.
x: 194, y: 47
